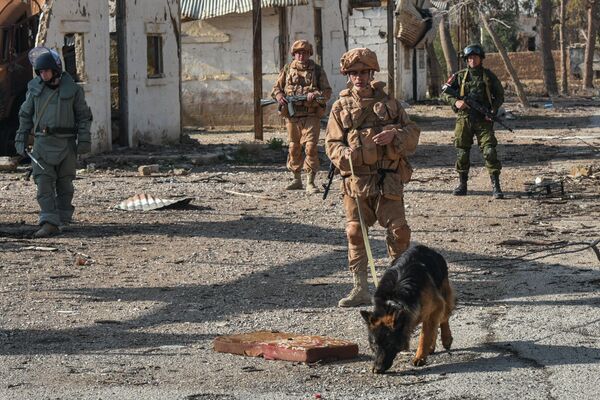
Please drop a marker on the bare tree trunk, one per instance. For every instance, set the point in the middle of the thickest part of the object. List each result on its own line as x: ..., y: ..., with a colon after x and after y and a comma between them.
x: 564, y: 83
x: 435, y: 72
x: 588, y: 72
x: 549, y: 69
x: 448, y: 47
x: 509, y: 67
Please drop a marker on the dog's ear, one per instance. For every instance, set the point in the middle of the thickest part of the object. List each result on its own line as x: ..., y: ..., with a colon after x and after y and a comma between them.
x: 366, y: 316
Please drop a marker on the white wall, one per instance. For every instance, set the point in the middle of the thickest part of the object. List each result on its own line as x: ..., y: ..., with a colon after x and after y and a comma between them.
x: 217, y: 76
x: 368, y: 28
x: 90, y: 18
x: 217, y: 61
x: 153, y: 104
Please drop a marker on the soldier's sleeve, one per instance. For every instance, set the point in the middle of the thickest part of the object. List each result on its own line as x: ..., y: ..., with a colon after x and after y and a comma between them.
x: 25, y: 118
x: 497, y: 92
x: 407, y: 133
x: 279, y: 85
x: 335, y: 141
x: 453, y: 82
x: 324, y: 87
x: 83, y: 116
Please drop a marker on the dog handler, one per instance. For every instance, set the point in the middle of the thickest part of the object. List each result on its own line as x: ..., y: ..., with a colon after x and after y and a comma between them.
x: 56, y: 111
x: 371, y: 129
x: 303, y: 77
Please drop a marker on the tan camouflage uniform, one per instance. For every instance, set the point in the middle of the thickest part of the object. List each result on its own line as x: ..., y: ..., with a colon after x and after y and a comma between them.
x: 380, y: 170
x: 301, y: 78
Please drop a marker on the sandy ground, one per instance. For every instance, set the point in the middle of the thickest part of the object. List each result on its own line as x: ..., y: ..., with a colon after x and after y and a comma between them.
x: 125, y: 305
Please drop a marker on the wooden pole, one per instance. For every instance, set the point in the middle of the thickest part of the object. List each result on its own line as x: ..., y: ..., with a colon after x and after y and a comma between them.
x: 121, y: 19
x: 390, y: 49
x: 283, y: 37
x: 257, y: 67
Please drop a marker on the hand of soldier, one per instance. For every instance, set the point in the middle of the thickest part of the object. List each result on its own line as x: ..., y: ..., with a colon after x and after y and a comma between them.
x: 461, y: 105
x: 348, y: 152
x: 84, y: 147
x: 20, y: 147
x: 310, y: 97
x: 281, y: 99
x: 384, y: 137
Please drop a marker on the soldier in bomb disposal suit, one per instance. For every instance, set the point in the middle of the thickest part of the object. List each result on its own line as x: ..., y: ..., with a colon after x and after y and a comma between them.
x: 370, y: 128
x: 303, y: 77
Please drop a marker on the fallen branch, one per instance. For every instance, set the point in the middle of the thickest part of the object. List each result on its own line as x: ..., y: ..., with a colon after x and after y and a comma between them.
x: 593, y: 245
x: 248, y: 195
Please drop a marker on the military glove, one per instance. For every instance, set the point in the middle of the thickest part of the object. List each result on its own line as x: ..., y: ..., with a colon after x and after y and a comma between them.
x: 20, y: 147
x: 84, y: 147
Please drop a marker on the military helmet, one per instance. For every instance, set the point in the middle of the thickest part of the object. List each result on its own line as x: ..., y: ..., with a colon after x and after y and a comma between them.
x: 359, y: 60
x: 44, y: 58
x: 301, y: 45
x: 473, y: 49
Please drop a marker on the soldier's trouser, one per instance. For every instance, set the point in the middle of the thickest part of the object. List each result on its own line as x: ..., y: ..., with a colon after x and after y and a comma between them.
x: 303, y: 131
x: 464, y: 131
x: 55, y: 189
x: 389, y: 213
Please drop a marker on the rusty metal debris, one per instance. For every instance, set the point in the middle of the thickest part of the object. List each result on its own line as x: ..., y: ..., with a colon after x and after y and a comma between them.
x: 146, y: 202
x: 544, y: 187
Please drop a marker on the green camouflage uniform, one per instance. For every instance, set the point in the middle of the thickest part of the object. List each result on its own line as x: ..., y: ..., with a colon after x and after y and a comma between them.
x: 481, y: 85
x: 62, y: 130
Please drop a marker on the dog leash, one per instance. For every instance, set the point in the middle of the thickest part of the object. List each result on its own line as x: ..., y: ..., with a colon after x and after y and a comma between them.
x: 365, y: 234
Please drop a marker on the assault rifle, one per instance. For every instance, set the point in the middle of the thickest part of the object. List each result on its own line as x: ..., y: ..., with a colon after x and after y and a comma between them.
x: 330, y: 176
x: 290, y: 102
x: 475, y: 105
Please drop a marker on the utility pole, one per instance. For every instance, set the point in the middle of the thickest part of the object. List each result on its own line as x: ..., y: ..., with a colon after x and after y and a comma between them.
x: 257, y: 67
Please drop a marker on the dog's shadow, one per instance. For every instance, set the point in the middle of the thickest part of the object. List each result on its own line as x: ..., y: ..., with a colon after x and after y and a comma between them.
x: 509, y: 356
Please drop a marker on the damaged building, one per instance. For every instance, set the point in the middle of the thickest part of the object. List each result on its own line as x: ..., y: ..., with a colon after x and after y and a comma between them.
x: 217, y: 85
x: 146, y: 74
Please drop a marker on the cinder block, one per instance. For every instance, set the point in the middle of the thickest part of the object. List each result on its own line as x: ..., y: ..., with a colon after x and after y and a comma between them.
x: 286, y: 346
x: 8, y: 163
x: 361, y: 22
x: 146, y: 170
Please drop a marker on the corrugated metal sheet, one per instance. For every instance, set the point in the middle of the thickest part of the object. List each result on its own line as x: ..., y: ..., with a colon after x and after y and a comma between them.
x: 441, y: 4
x: 204, y: 9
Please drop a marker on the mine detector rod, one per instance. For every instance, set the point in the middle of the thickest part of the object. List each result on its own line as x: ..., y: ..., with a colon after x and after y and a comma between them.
x: 365, y: 234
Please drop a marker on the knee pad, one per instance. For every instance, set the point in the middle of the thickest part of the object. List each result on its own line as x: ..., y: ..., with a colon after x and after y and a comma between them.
x: 294, y: 147
x: 311, y: 148
x: 399, y: 233
x: 489, y: 153
x: 354, y: 233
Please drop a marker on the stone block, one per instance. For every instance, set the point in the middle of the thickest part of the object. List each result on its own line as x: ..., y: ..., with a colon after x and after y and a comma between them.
x: 286, y: 346
x: 361, y: 22
x: 146, y: 170
x: 8, y: 163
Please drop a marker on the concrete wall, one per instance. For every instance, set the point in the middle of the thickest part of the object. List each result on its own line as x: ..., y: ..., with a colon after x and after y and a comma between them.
x: 90, y: 19
x: 527, y: 64
x: 217, y: 86
x: 368, y: 28
x: 153, y: 103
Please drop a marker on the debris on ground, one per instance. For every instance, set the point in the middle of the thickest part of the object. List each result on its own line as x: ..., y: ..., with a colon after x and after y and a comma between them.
x: 147, y: 170
x: 146, y: 202
x: 274, y: 345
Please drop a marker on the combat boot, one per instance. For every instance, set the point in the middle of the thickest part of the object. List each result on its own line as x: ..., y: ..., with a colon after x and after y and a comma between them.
x: 496, y: 190
x: 296, y: 182
x: 46, y: 230
x: 310, y: 184
x: 359, y: 295
x: 461, y: 189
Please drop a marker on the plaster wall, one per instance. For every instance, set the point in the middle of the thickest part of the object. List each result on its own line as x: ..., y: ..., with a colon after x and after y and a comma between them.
x: 217, y: 86
x: 153, y: 103
x: 90, y: 19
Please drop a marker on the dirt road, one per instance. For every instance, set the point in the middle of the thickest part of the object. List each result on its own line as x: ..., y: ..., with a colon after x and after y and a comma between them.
x: 125, y: 305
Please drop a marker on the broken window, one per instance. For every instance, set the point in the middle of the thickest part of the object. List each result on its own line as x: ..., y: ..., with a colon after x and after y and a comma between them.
x: 72, y: 52
x: 155, y: 56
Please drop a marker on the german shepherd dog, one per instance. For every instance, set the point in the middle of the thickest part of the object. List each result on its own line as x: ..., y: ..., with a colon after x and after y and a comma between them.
x: 415, y: 289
